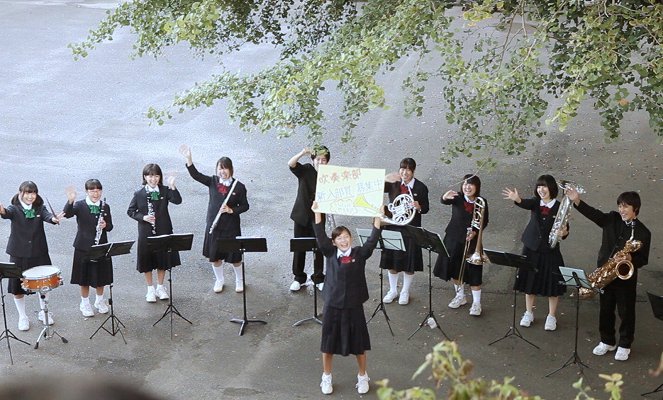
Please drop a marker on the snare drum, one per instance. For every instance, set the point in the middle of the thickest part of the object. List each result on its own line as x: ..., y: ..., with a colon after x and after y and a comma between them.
x: 43, y: 277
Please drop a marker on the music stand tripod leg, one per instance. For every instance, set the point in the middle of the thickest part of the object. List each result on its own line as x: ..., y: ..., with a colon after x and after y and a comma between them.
x: 380, y: 306
x: 315, y: 310
x: 658, y: 389
x: 115, y: 321
x: 430, y: 315
x: 7, y: 334
x: 245, y: 320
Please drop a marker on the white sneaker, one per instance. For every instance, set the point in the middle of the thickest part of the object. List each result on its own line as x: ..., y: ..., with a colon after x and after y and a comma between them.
x: 551, y: 323
x: 527, y: 319
x: 151, y: 297
x: 42, y: 317
x: 294, y: 287
x: 362, y: 384
x: 390, y: 296
x: 162, y: 293
x: 404, y: 298
x: 86, y: 309
x: 622, y: 354
x: 101, y: 306
x: 475, y: 309
x: 458, y: 301
x: 218, y: 286
x: 239, y: 286
x: 603, y: 348
x: 23, y: 323
x: 320, y: 286
x: 326, y: 384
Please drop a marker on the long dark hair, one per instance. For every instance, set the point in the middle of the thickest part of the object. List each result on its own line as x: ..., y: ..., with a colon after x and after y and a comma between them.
x: 152, y: 169
x: 472, y: 179
x: 27, y: 187
x: 549, y: 182
x: 225, y: 162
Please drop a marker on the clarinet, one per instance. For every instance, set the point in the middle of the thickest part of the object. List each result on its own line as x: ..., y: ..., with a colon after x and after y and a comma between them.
x: 150, y: 212
x: 100, y: 218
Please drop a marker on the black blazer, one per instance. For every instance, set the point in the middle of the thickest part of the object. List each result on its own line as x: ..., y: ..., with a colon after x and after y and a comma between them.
x: 345, y: 284
x: 615, y: 235
x: 138, y: 209
x: 229, y: 224
x: 87, y: 223
x: 535, y: 236
x: 419, y: 193
x: 460, y: 218
x: 307, y: 178
x: 27, y: 237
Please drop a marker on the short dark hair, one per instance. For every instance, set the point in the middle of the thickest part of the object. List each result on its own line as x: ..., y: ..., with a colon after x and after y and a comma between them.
x: 472, y: 179
x: 549, y: 182
x: 320, y: 151
x: 336, y: 232
x: 152, y: 169
x: 225, y: 162
x: 630, y: 199
x: 408, y: 163
x: 92, y: 184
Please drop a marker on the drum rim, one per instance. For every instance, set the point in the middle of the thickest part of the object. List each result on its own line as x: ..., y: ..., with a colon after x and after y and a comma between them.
x: 54, y: 271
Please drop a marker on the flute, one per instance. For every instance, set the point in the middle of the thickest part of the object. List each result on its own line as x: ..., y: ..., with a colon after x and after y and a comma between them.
x: 225, y: 201
x: 100, y: 218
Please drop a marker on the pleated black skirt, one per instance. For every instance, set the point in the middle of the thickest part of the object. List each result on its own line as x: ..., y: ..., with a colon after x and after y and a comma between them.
x: 546, y: 280
x: 90, y: 273
x: 344, y: 331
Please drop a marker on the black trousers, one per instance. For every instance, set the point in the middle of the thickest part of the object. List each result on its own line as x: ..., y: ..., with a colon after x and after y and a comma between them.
x: 299, y: 258
x: 622, y: 298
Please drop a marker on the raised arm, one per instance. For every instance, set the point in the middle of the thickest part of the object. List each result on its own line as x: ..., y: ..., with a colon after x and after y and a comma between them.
x: 292, y: 162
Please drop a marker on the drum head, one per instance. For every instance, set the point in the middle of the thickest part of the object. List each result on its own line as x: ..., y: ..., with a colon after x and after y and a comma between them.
x: 42, y: 271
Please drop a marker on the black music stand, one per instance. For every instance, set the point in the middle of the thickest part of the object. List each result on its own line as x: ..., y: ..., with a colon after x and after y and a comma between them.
x: 576, y: 278
x: 518, y: 262
x: 389, y: 240
x: 433, y: 243
x: 656, y: 302
x: 305, y: 244
x: 105, y: 252
x: 8, y: 270
x: 243, y: 245
x: 170, y: 243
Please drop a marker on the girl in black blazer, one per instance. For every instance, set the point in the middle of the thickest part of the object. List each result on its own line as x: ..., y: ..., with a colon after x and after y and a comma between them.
x: 344, y: 328
x: 546, y: 280
x: 27, y: 245
x: 93, y: 217
x: 222, y: 186
x: 149, y: 206
x: 458, y: 232
x: 410, y: 260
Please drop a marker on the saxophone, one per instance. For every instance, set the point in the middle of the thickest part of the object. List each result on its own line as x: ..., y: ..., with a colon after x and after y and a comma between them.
x: 562, y: 217
x: 613, y: 269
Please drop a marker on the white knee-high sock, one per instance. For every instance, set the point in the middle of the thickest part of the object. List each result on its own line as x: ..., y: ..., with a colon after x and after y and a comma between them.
x: 476, y: 296
x: 407, y: 281
x: 393, y: 282
x: 218, y: 272
x: 239, y: 277
x: 20, y: 306
x: 460, y: 289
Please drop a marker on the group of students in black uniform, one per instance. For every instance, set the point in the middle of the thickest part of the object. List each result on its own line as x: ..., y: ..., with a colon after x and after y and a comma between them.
x: 344, y: 286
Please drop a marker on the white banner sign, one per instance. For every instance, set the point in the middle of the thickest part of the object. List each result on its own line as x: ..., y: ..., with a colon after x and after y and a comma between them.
x: 350, y: 191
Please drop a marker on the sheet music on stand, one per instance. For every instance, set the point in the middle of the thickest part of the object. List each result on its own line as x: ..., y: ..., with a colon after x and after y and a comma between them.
x: 389, y: 240
x: 570, y: 275
x: 426, y: 239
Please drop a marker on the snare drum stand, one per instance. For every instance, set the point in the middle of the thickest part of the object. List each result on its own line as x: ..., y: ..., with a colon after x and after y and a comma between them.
x: 47, y: 332
x: 7, y: 334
